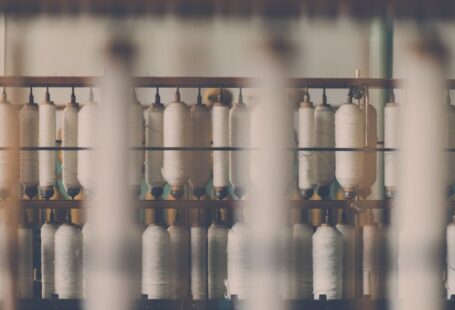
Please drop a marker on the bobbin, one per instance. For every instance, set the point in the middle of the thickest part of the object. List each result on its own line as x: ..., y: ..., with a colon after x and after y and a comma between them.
x: 220, y: 191
x: 73, y: 191
x: 306, y: 193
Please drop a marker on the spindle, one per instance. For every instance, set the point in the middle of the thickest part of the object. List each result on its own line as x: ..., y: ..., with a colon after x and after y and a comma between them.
x: 135, y: 139
x: 220, y: 124
x: 306, y: 139
x: 47, y: 134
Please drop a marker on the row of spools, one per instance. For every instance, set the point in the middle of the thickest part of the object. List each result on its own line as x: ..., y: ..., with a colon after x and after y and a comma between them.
x: 176, y: 125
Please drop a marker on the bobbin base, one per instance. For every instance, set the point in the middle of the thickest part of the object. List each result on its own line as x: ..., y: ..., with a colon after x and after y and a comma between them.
x: 31, y: 191
x: 177, y: 192
x: 198, y: 192
x: 349, y: 193
x: 47, y: 192
x: 306, y: 193
x: 73, y: 192
x: 220, y: 192
x: 239, y: 191
x: 156, y: 192
x: 4, y: 193
x: 323, y: 191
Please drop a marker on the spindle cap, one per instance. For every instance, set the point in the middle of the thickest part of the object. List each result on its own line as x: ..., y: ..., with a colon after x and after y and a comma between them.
x: 349, y: 192
x: 156, y: 192
x: 220, y: 192
x: 306, y: 193
x: 31, y: 191
x: 323, y: 191
x: 73, y: 192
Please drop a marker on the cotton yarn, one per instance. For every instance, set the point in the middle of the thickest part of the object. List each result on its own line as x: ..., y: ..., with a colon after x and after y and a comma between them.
x: 348, y: 233
x: 156, y: 273
x: 177, y: 133
x: 200, y: 161
x: 306, y: 139
x: 198, y: 262
x: 391, y: 134
x: 349, y: 134
x: 324, y: 127
x: 154, y: 137
x: 327, y: 263
x: 29, y: 127
x: 302, y: 247
x: 239, y: 134
x: 180, y: 261
x: 25, y: 262
x: 69, y: 139
x: 87, y: 137
x: 68, y: 262
x: 47, y: 259
x: 371, y: 259
x: 450, y: 284
x: 238, y: 260
x: 220, y: 125
x: 47, y: 135
x: 217, y: 236
x: 135, y: 139
x: 369, y: 158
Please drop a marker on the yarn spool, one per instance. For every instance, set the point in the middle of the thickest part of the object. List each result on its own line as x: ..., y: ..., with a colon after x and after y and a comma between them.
x: 349, y: 134
x: 327, y: 263
x: 369, y: 158
x: 25, y: 260
x: 220, y: 125
x: 69, y: 139
x: 306, y: 139
x: 28, y: 134
x: 200, y: 160
x: 198, y: 262
x: 68, y: 261
x: 135, y: 139
x: 47, y: 135
x: 8, y: 138
x: 156, y: 273
x: 450, y: 284
x: 286, y: 273
x: 371, y: 259
x: 324, y: 124
x: 451, y: 144
x: 238, y: 260
x: 177, y: 133
x: 239, y: 133
x: 217, y: 236
x: 48, y: 257
x: 348, y: 233
x: 302, y: 247
x: 154, y: 138
x: 86, y: 137
x: 391, y: 134
x: 179, y: 260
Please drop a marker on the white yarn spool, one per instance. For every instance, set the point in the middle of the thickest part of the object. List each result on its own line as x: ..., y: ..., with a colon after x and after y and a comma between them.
x: 177, y: 133
x: 302, y: 247
x: 135, y: 139
x: 156, y: 273
x: 25, y: 263
x: 86, y: 137
x: 369, y: 158
x: 47, y: 259
x: 8, y: 138
x: 220, y: 124
x: 69, y: 139
x: 371, y: 259
x: 324, y: 123
x: 217, y: 236
x: 391, y: 134
x: 154, y: 137
x: 47, y: 135
x: 239, y: 134
x: 198, y: 263
x: 349, y: 134
x: 29, y: 127
x: 306, y: 139
x: 180, y: 261
x: 451, y: 144
x: 348, y: 233
x: 238, y: 260
x: 200, y: 162
x: 327, y: 263
x: 450, y: 284
x: 68, y: 261
x: 286, y: 273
